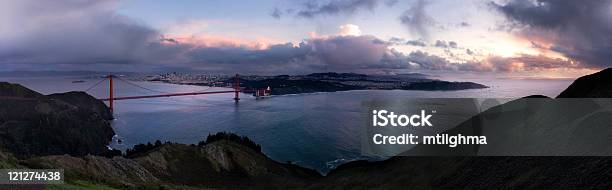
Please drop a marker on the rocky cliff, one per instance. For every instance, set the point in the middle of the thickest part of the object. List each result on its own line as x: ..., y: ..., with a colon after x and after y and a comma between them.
x: 33, y: 124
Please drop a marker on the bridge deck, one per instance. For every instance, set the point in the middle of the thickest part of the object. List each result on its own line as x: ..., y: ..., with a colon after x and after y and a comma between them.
x: 168, y: 95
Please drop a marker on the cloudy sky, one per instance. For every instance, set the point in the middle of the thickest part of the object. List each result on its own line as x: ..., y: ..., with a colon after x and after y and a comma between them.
x: 544, y: 38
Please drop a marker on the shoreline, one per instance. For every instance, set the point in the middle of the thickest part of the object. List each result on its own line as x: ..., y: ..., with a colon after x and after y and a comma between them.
x: 318, y: 92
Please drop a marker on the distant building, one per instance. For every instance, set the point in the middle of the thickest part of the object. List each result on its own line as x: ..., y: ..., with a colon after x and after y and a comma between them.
x: 262, y: 92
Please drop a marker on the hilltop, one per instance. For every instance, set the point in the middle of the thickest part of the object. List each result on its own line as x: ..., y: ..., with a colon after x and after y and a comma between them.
x: 222, y: 163
x: 33, y: 124
x: 597, y: 85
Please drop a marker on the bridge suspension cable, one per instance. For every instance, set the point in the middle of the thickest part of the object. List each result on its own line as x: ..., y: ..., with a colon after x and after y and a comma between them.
x: 93, y: 86
x: 166, y: 101
x: 139, y: 86
x: 236, y: 90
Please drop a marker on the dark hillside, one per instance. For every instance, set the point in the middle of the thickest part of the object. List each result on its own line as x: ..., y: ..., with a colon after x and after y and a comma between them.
x: 32, y: 124
x: 597, y: 85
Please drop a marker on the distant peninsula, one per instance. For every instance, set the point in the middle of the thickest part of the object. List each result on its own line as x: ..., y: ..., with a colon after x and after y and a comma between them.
x: 321, y: 82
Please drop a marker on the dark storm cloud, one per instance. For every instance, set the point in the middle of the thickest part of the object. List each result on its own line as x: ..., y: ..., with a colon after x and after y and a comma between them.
x: 417, y: 20
x: 445, y: 44
x: 281, y: 57
x: 416, y: 43
x: 578, y: 29
x: 356, y: 54
x: 423, y: 60
x: 345, y: 52
x: 337, y: 53
x: 522, y: 62
x: 401, y: 41
x: 80, y: 32
x: 469, y: 52
x: 316, y: 8
x: 441, y: 44
x: 396, y: 40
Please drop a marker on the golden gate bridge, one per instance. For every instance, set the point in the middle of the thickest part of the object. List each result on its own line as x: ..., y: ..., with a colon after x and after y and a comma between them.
x: 111, y: 96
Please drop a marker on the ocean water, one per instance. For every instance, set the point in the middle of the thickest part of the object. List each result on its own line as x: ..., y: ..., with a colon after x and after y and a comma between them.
x: 319, y: 130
